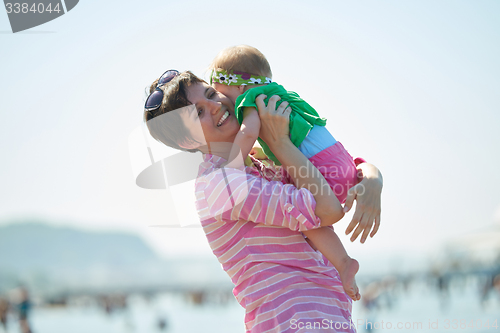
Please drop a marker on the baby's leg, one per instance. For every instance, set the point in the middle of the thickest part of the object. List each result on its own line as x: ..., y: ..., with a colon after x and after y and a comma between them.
x: 329, y: 244
x: 339, y: 170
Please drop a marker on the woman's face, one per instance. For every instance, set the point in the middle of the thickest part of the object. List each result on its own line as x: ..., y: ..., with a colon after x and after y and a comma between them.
x: 214, y: 113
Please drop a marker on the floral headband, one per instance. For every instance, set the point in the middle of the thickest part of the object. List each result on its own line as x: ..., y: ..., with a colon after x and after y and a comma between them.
x: 237, y: 78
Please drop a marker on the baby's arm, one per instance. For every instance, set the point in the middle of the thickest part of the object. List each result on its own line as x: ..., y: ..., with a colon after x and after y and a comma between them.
x: 246, y: 137
x: 329, y: 244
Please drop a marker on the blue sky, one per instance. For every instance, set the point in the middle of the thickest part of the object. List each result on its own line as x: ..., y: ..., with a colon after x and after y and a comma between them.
x: 410, y: 86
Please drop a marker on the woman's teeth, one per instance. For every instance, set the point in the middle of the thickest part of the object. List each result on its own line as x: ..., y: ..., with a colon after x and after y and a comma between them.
x: 223, y: 119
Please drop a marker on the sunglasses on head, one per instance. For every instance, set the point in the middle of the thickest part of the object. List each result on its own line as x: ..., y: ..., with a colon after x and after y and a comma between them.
x: 154, y: 100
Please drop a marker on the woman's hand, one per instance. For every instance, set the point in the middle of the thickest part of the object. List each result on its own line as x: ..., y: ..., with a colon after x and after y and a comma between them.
x: 274, y: 128
x: 367, y: 194
x: 274, y: 131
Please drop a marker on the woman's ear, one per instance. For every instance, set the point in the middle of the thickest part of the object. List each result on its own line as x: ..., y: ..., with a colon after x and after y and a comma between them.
x: 190, y: 145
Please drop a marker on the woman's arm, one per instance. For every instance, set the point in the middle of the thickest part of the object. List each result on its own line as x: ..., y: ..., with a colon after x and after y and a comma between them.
x: 275, y: 132
x: 367, y: 194
x: 230, y: 194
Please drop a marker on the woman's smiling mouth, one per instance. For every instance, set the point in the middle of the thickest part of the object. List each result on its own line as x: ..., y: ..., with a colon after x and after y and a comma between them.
x: 223, y: 118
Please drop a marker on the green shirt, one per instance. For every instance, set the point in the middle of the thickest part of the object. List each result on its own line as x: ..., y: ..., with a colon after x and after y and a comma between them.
x: 302, y: 118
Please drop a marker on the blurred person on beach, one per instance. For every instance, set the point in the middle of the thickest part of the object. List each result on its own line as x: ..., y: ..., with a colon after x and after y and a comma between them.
x: 23, y: 309
x: 4, y: 310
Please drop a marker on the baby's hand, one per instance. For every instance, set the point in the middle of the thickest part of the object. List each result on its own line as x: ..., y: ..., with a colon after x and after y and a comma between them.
x: 258, y: 153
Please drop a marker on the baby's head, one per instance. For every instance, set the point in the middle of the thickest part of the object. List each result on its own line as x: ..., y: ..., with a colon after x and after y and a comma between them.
x: 237, y: 68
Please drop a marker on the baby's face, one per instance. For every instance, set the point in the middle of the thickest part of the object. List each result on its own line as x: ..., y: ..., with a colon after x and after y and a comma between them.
x: 232, y: 92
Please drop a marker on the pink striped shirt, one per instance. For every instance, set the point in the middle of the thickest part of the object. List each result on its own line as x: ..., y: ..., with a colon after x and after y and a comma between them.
x: 252, y: 218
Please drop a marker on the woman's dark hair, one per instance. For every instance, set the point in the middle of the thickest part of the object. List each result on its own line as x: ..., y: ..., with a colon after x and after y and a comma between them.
x: 166, y: 127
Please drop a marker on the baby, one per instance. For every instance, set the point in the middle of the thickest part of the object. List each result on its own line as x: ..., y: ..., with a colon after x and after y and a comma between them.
x: 242, y: 73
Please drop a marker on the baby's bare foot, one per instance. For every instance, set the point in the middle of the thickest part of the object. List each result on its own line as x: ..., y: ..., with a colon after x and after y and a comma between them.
x: 348, y: 281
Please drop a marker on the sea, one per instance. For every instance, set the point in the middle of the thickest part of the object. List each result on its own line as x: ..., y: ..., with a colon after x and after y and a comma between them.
x: 416, y: 307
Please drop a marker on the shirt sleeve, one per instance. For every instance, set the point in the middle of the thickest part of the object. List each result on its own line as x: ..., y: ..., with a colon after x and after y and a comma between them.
x: 233, y: 195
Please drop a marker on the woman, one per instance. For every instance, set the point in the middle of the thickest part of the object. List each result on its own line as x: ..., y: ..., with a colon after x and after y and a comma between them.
x: 252, y: 221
